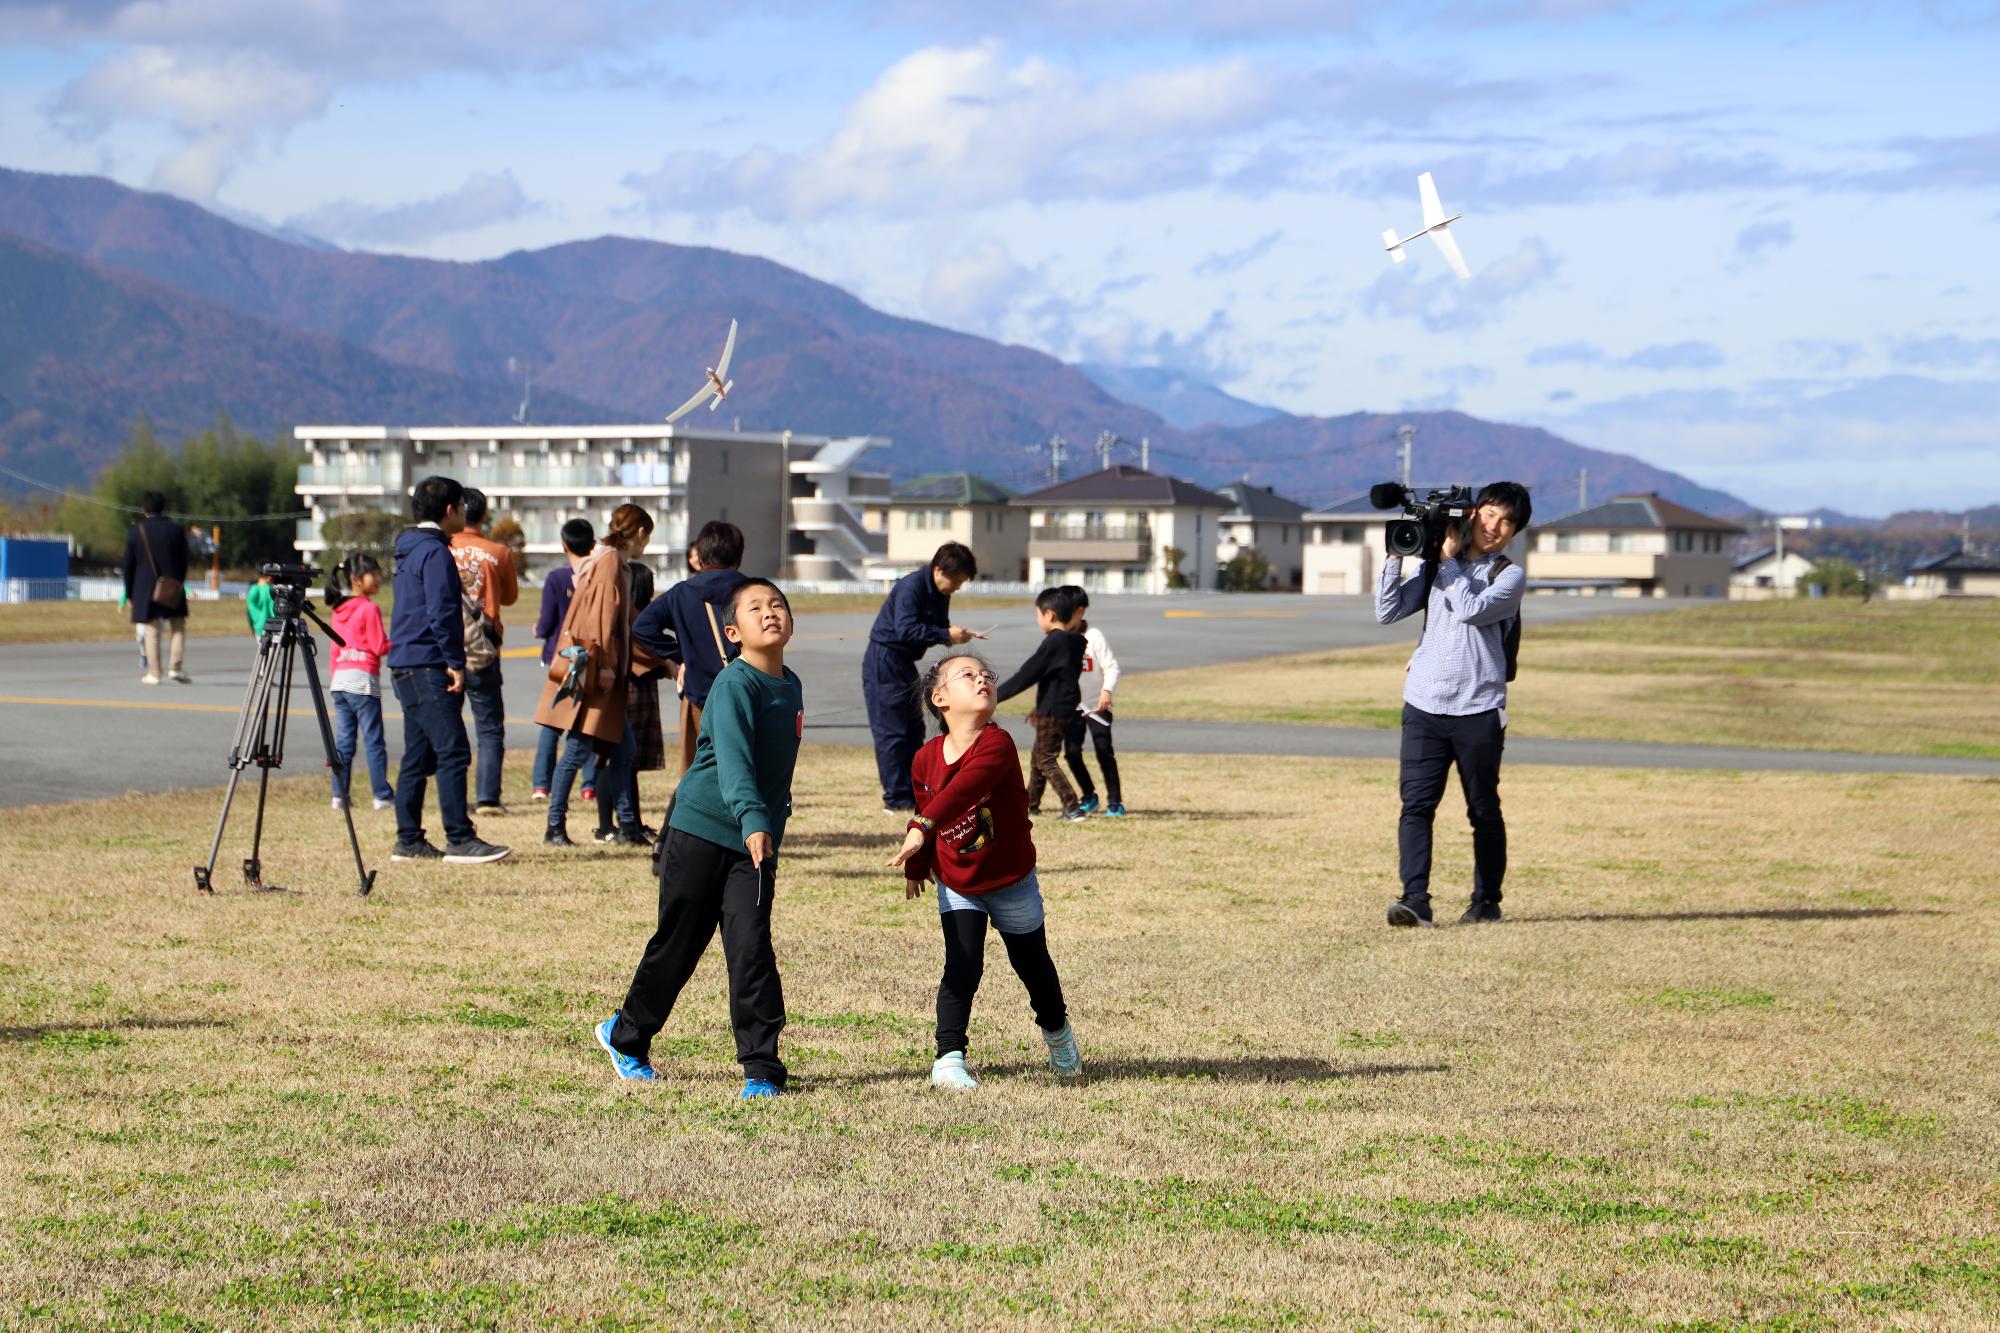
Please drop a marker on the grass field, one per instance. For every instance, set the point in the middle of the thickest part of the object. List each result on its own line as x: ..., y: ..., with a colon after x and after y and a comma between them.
x: 1887, y: 677
x: 105, y: 622
x: 1734, y: 1063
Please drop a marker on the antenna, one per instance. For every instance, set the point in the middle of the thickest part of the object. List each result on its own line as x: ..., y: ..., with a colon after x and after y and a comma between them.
x: 1408, y: 436
x: 1057, y: 449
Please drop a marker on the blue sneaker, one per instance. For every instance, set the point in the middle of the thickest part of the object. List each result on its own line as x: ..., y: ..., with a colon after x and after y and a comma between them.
x: 1065, y: 1057
x: 1116, y: 810
x: 628, y: 1067
x: 756, y: 1089
x: 1088, y: 804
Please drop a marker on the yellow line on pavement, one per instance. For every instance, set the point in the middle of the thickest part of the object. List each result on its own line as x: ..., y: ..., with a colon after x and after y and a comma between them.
x: 1230, y: 615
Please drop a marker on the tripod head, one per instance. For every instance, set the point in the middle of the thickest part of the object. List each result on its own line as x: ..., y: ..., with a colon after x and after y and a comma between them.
x: 288, y: 596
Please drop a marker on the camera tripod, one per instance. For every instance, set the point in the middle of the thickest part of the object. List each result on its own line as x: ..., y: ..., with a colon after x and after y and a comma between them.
x: 260, y: 729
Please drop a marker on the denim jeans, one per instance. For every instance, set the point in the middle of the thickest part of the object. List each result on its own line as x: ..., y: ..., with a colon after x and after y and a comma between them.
x: 489, y: 721
x: 363, y: 713
x: 612, y: 789
x: 433, y: 742
x: 547, y: 745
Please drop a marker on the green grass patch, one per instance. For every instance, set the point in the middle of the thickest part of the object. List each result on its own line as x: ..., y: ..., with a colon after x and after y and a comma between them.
x: 1708, y: 1001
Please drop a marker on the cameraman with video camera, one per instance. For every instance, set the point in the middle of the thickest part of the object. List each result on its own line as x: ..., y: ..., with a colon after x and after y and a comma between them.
x: 1455, y: 691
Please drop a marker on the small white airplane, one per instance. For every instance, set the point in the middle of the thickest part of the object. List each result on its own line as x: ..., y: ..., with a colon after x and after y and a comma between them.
x: 718, y: 386
x: 1435, y: 223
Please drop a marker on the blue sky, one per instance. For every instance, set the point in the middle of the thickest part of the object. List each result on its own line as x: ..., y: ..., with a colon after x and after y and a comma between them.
x: 1753, y: 242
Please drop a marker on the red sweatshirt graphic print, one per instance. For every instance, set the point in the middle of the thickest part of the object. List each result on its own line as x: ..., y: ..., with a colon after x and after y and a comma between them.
x: 974, y: 815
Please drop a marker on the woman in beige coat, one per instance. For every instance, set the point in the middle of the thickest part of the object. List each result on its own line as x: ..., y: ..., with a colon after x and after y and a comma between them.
x: 592, y: 717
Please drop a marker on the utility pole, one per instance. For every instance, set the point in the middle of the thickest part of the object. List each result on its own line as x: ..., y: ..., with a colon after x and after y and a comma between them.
x: 1107, y: 442
x: 1058, y: 450
x: 1408, y: 436
x: 1145, y: 453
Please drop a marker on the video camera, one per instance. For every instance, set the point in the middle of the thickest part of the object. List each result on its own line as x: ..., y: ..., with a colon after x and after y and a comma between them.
x: 288, y: 594
x: 296, y: 576
x: 1422, y: 533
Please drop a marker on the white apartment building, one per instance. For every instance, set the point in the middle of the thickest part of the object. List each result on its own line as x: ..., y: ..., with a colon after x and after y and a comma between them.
x: 797, y: 498
x: 1110, y: 531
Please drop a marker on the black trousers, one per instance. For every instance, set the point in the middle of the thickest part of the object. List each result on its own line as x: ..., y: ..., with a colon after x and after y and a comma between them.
x: 703, y: 885
x: 965, y: 963
x: 895, y: 717
x: 1432, y: 744
x: 1107, y: 758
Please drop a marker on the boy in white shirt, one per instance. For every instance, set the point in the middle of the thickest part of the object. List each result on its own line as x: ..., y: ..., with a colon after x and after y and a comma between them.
x: 1094, y: 687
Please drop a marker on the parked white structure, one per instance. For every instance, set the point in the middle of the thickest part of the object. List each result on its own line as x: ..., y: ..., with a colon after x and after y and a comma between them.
x: 1765, y: 575
x: 1345, y: 544
x: 798, y: 498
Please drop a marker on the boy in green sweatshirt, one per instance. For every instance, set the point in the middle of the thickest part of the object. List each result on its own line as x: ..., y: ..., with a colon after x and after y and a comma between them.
x: 719, y: 861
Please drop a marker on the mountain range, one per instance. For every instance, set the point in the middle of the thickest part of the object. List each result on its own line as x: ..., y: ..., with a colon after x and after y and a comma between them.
x: 118, y: 302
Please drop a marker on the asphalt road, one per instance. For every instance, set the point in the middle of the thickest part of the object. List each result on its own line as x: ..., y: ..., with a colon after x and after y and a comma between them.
x: 75, y: 723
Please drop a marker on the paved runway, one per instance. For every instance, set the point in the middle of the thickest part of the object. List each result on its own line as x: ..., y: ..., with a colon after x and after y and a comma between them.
x: 75, y: 723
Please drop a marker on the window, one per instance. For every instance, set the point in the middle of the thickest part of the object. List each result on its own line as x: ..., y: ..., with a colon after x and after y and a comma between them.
x: 1350, y: 534
x: 1566, y: 541
x: 1711, y: 541
x: 1621, y: 541
x: 1286, y: 533
x: 723, y: 468
x: 1683, y: 541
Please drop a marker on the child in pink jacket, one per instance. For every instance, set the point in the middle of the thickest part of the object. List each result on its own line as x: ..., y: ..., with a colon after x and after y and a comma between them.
x: 357, y: 675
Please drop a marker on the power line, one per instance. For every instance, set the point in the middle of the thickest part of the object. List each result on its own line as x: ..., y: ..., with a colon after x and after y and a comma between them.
x: 133, y: 509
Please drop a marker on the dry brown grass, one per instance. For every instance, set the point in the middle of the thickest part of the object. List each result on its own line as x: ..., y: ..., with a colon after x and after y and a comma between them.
x: 108, y: 622
x: 1731, y: 1064
x: 1888, y: 678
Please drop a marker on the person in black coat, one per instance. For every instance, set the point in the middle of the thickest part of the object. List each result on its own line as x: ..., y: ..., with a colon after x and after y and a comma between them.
x: 915, y: 617
x: 155, y: 549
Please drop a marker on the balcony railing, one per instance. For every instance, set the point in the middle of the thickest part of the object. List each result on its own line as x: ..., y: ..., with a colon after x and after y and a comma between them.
x: 385, y: 473
x: 1092, y: 532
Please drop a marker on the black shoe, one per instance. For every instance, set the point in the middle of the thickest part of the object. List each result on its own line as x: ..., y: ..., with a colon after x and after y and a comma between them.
x: 900, y: 807
x: 606, y: 835
x: 474, y: 852
x: 1076, y: 814
x: 1402, y: 914
x: 1481, y: 913
x: 421, y: 850
x: 557, y: 836
x: 632, y: 835
x: 493, y: 808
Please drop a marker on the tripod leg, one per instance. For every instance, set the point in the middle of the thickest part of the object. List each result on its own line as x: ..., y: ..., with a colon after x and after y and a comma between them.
x: 366, y: 875
x: 271, y: 753
x: 254, y: 700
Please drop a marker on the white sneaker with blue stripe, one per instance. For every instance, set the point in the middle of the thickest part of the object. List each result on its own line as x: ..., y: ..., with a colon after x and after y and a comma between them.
x: 628, y: 1067
x: 950, y: 1072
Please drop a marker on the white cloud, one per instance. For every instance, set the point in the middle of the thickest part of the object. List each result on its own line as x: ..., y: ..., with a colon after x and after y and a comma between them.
x: 1760, y: 238
x: 485, y: 198
x: 977, y: 288
x: 1445, y: 302
x: 1231, y: 261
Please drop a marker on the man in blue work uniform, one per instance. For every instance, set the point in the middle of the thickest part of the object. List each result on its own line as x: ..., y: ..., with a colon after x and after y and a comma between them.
x: 915, y: 618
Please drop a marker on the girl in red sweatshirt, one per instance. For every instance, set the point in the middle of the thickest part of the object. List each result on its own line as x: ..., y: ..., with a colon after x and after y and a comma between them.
x: 356, y: 688
x: 971, y: 833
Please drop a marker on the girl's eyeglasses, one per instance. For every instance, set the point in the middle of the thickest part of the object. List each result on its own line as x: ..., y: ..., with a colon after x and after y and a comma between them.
x: 976, y: 677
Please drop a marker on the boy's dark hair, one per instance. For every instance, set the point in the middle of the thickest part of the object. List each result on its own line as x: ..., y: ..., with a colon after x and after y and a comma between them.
x: 1512, y: 494
x: 152, y: 503
x: 729, y: 612
x: 954, y: 561
x: 1077, y: 595
x: 719, y: 545
x: 475, y: 506
x: 578, y: 536
x: 935, y: 673
x: 433, y: 496
x: 1058, y: 602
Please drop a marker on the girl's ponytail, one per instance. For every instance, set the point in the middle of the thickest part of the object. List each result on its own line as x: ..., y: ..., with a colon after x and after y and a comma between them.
x: 353, y: 567
x: 334, y: 596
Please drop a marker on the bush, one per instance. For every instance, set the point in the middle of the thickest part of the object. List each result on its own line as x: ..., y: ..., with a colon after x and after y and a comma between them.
x: 1834, y: 578
x: 1247, y: 571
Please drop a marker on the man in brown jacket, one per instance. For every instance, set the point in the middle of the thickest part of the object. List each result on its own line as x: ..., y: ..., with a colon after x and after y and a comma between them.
x: 486, y: 572
x: 598, y: 625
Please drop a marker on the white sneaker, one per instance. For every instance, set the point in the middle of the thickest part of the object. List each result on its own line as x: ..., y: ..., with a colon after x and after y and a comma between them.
x: 950, y: 1072
x: 336, y: 803
x: 381, y: 804
x: 149, y: 679
x: 1065, y: 1057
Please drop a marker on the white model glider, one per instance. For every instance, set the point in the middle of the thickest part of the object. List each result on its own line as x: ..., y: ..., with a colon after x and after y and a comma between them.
x: 719, y: 384
x: 1435, y: 223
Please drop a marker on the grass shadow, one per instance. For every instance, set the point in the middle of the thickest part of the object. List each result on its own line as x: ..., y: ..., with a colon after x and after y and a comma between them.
x: 1738, y: 914
x: 1242, y: 1069
x: 36, y: 1031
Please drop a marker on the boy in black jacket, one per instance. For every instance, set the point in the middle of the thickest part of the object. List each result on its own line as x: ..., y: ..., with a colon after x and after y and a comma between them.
x: 1053, y: 670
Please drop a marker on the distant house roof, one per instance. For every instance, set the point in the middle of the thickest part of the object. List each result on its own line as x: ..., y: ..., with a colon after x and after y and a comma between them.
x: 1121, y: 483
x: 1956, y: 562
x: 1261, y: 502
x: 1353, y: 507
x: 1640, y: 511
x: 955, y: 488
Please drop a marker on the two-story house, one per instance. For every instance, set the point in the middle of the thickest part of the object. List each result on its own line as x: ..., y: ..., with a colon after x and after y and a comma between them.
x: 1266, y: 522
x: 1112, y: 531
x: 922, y: 514
x: 1632, y: 546
x: 1953, y: 574
x: 1344, y: 546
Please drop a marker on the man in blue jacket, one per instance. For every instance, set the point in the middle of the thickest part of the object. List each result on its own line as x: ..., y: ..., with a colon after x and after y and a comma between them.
x: 427, y: 666
x: 915, y: 618
x: 683, y: 625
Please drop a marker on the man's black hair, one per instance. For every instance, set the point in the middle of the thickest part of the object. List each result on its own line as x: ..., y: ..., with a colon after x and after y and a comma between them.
x: 729, y: 612
x: 719, y: 545
x: 475, y: 506
x: 1059, y: 602
x: 1512, y: 494
x: 433, y: 496
x: 578, y: 536
x: 152, y: 503
x: 954, y: 560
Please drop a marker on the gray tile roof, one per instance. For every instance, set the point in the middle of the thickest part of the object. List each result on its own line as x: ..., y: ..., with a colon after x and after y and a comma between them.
x: 956, y: 488
x: 1956, y: 562
x: 1641, y: 512
x: 1121, y: 483
x: 1357, y: 506
x: 1261, y: 502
